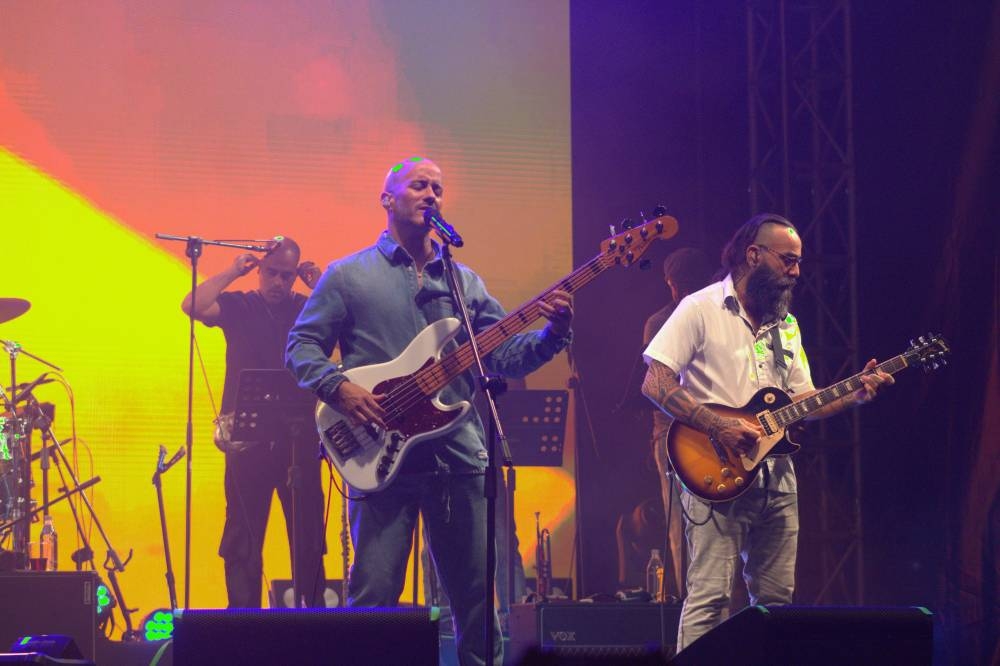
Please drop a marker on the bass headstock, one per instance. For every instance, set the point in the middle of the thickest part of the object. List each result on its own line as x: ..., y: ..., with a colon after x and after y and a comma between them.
x: 632, y: 241
x: 928, y: 351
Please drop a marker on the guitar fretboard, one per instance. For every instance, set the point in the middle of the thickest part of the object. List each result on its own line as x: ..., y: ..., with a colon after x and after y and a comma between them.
x: 431, y: 379
x: 799, y: 410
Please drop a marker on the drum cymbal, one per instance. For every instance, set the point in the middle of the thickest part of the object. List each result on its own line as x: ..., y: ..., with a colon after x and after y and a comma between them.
x: 11, y: 308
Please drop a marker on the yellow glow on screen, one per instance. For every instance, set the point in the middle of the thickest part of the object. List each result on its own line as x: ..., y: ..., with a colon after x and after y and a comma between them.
x: 217, y: 124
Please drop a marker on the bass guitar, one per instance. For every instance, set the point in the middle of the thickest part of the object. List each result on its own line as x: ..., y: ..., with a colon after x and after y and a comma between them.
x: 369, y: 458
x: 719, y: 473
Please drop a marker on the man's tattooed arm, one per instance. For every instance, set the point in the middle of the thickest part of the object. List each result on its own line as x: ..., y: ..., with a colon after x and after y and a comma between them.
x: 662, y: 387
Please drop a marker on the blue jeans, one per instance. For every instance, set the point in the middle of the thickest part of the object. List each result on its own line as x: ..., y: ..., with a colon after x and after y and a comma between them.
x: 454, y: 513
x: 760, y: 527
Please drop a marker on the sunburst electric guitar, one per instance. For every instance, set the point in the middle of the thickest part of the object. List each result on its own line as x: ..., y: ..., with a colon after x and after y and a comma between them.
x: 717, y: 473
x: 369, y: 458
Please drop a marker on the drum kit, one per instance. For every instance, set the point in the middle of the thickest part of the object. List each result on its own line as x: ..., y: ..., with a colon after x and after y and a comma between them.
x: 15, y: 451
x: 20, y: 415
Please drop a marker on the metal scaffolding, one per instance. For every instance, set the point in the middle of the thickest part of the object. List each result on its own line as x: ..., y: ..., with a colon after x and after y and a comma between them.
x: 802, y: 165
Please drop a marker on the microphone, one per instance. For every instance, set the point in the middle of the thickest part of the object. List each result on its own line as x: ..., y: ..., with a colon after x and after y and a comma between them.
x: 273, y: 245
x: 173, y: 461
x: 433, y: 219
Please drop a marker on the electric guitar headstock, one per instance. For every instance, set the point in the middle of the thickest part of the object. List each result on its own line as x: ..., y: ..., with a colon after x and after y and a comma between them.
x: 928, y: 351
x: 633, y: 239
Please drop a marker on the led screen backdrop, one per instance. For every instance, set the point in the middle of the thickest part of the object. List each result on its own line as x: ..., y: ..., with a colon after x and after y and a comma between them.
x: 245, y: 120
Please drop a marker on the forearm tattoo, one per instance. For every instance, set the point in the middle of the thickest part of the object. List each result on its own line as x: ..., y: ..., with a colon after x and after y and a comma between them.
x: 662, y: 387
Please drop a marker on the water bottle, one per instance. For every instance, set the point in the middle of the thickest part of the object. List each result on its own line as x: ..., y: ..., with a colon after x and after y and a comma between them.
x: 654, y: 575
x: 49, y: 544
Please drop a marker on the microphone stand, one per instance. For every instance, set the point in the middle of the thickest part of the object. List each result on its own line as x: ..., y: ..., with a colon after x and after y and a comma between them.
x: 193, y: 251
x: 161, y: 468
x: 491, y: 386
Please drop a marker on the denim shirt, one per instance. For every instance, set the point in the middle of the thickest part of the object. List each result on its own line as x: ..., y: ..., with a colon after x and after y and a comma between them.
x: 372, y: 306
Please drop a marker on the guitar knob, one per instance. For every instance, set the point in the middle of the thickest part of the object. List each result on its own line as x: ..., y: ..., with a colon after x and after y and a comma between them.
x: 721, y: 488
x: 708, y: 480
x: 738, y: 481
x: 726, y: 472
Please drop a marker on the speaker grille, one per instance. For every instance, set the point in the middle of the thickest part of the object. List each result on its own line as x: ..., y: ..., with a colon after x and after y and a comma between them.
x: 306, y: 636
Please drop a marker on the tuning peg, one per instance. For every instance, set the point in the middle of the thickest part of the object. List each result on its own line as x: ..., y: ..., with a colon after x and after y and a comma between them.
x: 659, y: 211
x: 626, y: 224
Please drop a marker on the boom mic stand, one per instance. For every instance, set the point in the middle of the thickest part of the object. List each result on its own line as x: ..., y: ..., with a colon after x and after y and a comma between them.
x: 162, y: 465
x: 193, y: 250
x: 491, y: 386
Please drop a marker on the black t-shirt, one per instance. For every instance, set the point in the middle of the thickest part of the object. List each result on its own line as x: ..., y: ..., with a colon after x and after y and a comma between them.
x: 256, y: 334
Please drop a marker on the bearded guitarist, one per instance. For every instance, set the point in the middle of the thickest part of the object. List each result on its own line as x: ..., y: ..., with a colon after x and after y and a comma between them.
x: 722, y: 345
x: 373, y: 304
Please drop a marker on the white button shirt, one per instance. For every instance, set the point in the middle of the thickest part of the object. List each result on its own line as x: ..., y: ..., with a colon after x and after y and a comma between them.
x: 710, y: 342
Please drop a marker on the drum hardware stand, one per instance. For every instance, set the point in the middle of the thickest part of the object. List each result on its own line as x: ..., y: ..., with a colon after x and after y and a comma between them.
x: 162, y: 465
x: 22, y: 466
x: 42, y: 507
x: 194, y: 248
x: 113, y: 564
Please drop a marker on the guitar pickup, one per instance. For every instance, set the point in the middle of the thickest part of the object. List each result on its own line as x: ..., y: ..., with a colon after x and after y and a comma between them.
x: 768, y: 422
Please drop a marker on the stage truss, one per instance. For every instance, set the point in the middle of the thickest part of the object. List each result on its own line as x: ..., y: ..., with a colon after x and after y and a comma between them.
x: 802, y: 165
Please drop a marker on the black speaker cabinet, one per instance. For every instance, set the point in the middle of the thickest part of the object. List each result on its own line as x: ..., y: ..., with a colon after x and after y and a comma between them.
x: 594, y: 629
x: 303, y: 636
x: 817, y: 635
x: 49, y: 602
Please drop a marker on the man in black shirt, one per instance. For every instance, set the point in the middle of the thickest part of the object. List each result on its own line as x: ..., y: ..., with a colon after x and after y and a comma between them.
x: 256, y: 325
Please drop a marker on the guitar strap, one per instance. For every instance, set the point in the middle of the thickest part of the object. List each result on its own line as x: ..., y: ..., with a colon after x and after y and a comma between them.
x: 779, y: 353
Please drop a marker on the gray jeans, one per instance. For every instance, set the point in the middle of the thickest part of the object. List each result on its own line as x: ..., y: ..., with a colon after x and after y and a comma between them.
x: 454, y: 513
x: 761, y: 528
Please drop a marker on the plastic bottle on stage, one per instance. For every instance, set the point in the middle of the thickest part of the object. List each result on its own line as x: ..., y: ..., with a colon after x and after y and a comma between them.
x: 654, y: 575
x: 49, y: 544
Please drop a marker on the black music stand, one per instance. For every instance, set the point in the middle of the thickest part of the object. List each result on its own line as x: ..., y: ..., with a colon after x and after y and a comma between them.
x: 535, y: 421
x: 535, y: 424
x: 271, y: 407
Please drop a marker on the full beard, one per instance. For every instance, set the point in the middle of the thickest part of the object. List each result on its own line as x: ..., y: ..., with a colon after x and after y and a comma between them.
x: 769, y: 296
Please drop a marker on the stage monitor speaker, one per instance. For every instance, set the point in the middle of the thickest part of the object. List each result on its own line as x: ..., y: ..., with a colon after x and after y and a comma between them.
x: 594, y: 629
x: 306, y: 636
x: 281, y: 593
x: 49, y: 602
x: 55, y: 649
x: 817, y: 635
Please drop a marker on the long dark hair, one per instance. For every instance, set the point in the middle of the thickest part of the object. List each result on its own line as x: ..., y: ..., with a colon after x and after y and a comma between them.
x: 734, y: 254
